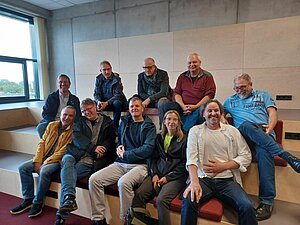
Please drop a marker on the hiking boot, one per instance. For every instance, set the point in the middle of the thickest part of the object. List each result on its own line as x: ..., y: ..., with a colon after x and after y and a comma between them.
x: 26, y: 204
x: 35, y: 210
x: 59, y: 221
x: 263, y: 211
x: 69, y: 204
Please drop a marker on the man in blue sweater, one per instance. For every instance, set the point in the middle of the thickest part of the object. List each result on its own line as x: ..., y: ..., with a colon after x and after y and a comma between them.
x: 137, y: 136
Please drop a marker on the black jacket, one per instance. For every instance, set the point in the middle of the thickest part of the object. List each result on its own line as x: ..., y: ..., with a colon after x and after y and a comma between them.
x: 159, y: 86
x: 82, y: 145
x: 170, y: 164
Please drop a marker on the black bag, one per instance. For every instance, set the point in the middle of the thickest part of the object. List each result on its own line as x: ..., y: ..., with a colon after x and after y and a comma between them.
x: 139, y: 216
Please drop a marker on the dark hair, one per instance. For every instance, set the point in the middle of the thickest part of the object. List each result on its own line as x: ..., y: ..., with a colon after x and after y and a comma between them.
x: 87, y: 101
x: 210, y: 101
x: 65, y: 76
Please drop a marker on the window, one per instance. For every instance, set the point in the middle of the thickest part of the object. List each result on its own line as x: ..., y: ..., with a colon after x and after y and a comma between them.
x: 18, y: 63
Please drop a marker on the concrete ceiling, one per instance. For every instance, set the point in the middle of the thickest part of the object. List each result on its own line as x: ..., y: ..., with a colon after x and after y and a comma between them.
x: 57, y: 4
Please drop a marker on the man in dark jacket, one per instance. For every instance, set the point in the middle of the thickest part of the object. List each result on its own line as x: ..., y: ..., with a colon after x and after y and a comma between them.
x: 108, y: 92
x: 136, y: 142
x: 56, y: 101
x: 92, y: 148
x: 153, y: 87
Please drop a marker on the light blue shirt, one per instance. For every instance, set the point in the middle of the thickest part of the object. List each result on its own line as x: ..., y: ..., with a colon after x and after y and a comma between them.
x: 252, y: 109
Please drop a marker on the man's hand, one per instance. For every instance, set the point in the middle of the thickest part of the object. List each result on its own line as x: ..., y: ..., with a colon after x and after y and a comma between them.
x: 37, y: 167
x: 120, y: 151
x: 155, y: 180
x: 195, y: 190
x: 102, y: 105
x: 162, y: 181
x: 146, y: 102
x: 214, y: 166
x: 100, y: 150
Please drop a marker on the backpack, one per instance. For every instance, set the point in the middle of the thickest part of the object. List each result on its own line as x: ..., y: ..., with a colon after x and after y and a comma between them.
x: 139, y: 216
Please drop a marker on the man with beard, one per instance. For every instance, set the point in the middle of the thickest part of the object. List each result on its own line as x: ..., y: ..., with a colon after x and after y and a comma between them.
x: 216, y: 154
x: 254, y: 113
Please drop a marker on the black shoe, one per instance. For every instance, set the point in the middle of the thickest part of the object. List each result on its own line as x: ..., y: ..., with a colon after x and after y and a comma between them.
x: 294, y: 162
x: 263, y: 211
x: 35, y: 210
x: 26, y: 204
x: 69, y: 204
x: 100, y: 222
x: 59, y: 221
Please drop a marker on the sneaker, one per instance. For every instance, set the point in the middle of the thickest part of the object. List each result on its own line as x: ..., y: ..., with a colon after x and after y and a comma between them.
x: 263, y: 211
x: 69, y: 204
x: 35, y: 210
x: 59, y: 221
x: 26, y: 204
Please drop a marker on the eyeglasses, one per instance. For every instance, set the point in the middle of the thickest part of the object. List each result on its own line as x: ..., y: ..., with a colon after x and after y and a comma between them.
x: 240, y: 87
x: 147, y: 67
x: 87, y: 109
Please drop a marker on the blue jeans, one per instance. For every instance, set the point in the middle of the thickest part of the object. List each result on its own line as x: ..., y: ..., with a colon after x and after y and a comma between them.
x: 70, y: 173
x: 117, y: 107
x: 266, y: 148
x: 26, y: 169
x: 229, y: 192
x: 41, y: 127
x: 188, y: 121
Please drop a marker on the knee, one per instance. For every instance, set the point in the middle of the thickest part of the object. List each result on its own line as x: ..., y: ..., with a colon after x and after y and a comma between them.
x: 117, y: 105
x: 161, y: 201
x: 123, y: 185
x: 67, y: 158
x: 94, y: 180
x: 162, y: 102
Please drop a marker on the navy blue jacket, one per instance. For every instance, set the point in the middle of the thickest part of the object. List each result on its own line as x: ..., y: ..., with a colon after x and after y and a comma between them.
x: 170, y: 164
x: 147, y: 136
x: 116, y: 89
x: 82, y: 142
x: 52, y: 103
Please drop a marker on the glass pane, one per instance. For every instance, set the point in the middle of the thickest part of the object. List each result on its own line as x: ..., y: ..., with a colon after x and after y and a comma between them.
x: 11, y: 80
x: 15, y: 40
x: 31, y: 80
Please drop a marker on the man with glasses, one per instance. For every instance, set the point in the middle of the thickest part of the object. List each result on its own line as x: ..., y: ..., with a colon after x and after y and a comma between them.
x: 108, y: 92
x: 193, y: 88
x: 56, y: 101
x: 92, y: 148
x: 254, y: 113
x: 153, y: 87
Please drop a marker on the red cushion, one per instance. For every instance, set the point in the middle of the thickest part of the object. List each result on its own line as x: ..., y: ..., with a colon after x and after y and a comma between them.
x: 212, y: 209
x: 151, y: 111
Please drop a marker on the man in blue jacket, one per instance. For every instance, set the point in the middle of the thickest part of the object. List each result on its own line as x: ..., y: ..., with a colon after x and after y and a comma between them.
x: 136, y: 142
x: 92, y: 148
x: 56, y: 101
x: 108, y: 92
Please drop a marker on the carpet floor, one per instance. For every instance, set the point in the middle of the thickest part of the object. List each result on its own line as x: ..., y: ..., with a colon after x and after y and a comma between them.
x: 7, y: 202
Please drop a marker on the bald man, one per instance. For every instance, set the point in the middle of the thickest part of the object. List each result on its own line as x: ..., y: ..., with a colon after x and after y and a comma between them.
x: 153, y: 87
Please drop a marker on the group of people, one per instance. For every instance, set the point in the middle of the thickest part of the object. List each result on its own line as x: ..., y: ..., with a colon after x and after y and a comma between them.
x: 195, y: 150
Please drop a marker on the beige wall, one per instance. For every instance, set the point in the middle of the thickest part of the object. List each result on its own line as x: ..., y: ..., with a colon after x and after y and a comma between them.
x: 268, y: 50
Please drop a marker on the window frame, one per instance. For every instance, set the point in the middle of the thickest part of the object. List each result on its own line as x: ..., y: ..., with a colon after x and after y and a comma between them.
x: 22, y: 61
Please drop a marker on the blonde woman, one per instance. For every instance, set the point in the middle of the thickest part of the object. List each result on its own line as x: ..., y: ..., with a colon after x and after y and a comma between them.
x: 168, y: 173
